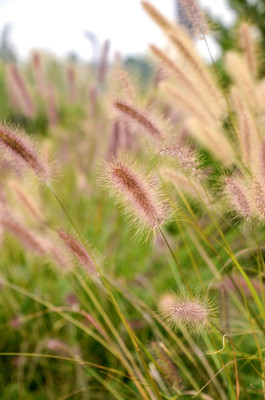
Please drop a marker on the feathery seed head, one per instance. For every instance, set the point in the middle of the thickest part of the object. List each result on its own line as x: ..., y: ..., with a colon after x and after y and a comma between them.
x: 79, y: 251
x: 185, y: 313
x: 26, y: 199
x: 260, y: 167
x: 141, y: 118
x: 28, y: 238
x: 137, y: 191
x: 259, y: 199
x: 235, y: 191
x: 247, y: 45
x: 22, y: 151
x: 19, y: 91
x: 195, y: 16
x: 185, y: 157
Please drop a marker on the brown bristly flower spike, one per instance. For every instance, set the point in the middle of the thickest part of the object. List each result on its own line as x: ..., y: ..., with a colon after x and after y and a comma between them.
x: 22, y: 151
x: 137, y: 191
x: 79, y: 251
x: 140, y: 117
x: 235, y: 192
x: 184, y: 313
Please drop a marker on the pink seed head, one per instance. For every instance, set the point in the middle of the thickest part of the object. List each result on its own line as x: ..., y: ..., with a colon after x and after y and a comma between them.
x: 139, y: 195
x: 185, y: 314
x: 235, y: 193
x: 141, y: 118
x: 22, y: 151
x: 79, y: 251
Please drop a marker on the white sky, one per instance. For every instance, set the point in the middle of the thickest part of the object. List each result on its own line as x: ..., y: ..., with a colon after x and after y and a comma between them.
x: 58, y: 25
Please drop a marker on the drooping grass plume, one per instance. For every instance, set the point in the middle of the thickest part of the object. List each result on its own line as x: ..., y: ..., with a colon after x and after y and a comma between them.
x: 185, y: 314
x: 57, y: 251
x: 71, y: 80
x: 39, y: 73
x: 103, y: 64
x: 22, y: 151
x: 137, y: 192
x: 259, y: 199
x: 235, y: 191
x: 258, y: 165
x: 79, y: 251
x: 20, y: 91
x: 29, y: 239
x: 185, y: 48
x: 190, y: 185
x: 115, y: 139
x: 185, y: 81
x: 184, y: 156
x: 195, y: 16
x: 141, y: 118
x: 186, y: 103
x: 239, y: 72
x: 248, y: 46
x: 213, y: 139
x: 247, y: 127
x: 26, y: 199
x: 125, y: 84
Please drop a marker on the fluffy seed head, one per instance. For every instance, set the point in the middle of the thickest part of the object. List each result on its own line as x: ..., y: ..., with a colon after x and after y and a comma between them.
x: 22, y: 151
x: 261, y: 162
x: 20, y: 91
x: 26, y: 200
x: 136, y: 191
x: 141, y: 118
x: 248, y: 47
x: 184, y: 313
x: 235, y: 193
x: 259, y: 199
x: 79, y: 251
x: 185, y: 157
x: 28, y: 238
x: 195, y: 16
